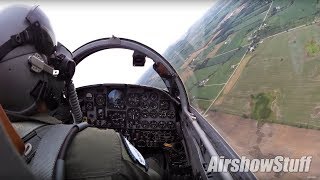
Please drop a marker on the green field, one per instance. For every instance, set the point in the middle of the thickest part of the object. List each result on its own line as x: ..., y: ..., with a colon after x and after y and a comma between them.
x: 261, y: 106
x: 216, y: 74
x: 312, y: 48
x: 291, y: 14
x: 282, y: 67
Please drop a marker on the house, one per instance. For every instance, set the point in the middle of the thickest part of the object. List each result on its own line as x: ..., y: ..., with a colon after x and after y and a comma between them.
x: 252, y: 48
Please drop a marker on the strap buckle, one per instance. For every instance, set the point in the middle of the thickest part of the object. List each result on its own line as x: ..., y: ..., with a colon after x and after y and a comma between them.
x: 38, y: 65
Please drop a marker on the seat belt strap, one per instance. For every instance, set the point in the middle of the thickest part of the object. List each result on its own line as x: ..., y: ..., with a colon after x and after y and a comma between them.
x: 43, y: 164
x: 49, y: 147
x: 25, y: 128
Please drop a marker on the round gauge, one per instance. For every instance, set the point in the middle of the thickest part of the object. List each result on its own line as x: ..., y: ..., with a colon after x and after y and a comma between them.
x: 118, y: 118
x: 89, y: 96
x: 144, y: 113
x: 153, y: 105
x: 144, y: 105
x: 89, y: 106
x: 153, y: 124
x: 171, y: 114
x: 100, y: 113
x: 130, y: 123
x: 153, y: 114
x: 164, y: 105
x: 162, y: 114
x: 170, y: 124
x: 144, y: 97
x: 153, y: 96
x: 145, y: 124
x: 162, y: 124
x: 134, y: 114
x: 100, y: 100
x: 133, y: 99
x: 116, y: 99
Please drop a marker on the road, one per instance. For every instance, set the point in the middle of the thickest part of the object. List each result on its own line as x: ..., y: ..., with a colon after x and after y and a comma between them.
x: 227, y: 52
x: 214, y: 84
x: 265, y: 17
x: 225, y: 84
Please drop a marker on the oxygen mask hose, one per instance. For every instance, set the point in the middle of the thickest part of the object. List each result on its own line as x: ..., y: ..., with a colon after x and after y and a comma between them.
x: 74, y: 103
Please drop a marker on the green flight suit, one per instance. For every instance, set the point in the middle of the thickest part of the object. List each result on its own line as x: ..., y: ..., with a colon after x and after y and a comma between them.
x: 96, y: 154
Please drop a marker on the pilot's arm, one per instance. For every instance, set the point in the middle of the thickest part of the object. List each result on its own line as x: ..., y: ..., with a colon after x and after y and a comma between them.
x: 102, y: 154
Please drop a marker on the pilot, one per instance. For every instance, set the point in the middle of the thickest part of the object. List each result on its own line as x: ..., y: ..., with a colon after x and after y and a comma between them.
x: 30, y: 88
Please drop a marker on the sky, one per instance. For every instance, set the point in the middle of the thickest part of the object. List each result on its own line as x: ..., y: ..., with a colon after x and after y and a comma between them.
x: 157, y: 25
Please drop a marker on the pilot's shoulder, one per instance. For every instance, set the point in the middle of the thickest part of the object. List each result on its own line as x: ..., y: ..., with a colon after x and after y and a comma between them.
x: 94, y: 153
x: 95, y: 133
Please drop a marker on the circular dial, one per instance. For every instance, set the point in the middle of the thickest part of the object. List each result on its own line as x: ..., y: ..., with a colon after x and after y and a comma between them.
x: 89, y: 106
x: 134, y: 114
x: 170, y: 124
x: 144, y: 113
x: 133, y: 99
x: 89, y: 96
x: 144, y: 97
x: 153, y: 105
x: 145, y: 124
x: 100, y: 100
x: 116, y: 99
x: 171, y: 114
x: 164, y: 105
x: 100, y: 113
x: 130, y: 123
x: 162, y: 124
x: 153, y: 124
x: 144, y: 105
x: 118, y: 118
x: 153, y: 114
x: 162, y: 114
x: 153, y: 96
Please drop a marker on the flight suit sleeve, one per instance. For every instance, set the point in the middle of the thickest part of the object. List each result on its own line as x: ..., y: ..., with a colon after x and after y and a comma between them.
x: 137, y: 170
x: 101, y: 154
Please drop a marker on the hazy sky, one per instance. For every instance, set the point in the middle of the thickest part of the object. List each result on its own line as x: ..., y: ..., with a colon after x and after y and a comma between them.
x: 157, y: 25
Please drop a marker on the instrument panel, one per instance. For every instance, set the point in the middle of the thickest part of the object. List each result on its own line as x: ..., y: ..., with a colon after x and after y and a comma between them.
x: 146, y: 116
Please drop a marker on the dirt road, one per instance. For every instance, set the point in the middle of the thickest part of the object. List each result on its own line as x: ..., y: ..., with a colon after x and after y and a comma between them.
x: 233, y: 80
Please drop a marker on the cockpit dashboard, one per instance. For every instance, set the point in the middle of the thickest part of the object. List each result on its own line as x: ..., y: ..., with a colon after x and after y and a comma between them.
x: 148, y: 117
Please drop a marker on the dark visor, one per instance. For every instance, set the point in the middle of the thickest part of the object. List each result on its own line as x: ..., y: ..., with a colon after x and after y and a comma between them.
x: 45, y: 40
x: 37, y: 15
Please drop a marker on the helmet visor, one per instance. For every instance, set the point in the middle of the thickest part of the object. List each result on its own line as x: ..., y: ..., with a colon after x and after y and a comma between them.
x: 46, y: 40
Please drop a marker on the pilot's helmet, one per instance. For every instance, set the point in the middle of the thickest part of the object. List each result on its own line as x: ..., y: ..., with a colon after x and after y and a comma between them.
x: 27, y: 75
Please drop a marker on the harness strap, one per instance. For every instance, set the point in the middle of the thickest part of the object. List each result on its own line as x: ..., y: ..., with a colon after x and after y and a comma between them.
x: 26, y: 36
x: 47, y: 161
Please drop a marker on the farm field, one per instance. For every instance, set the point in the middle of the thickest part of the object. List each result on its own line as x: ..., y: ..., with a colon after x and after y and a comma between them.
x: 215, y: 74
x: 266, y: 140
x: 286, y: 71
